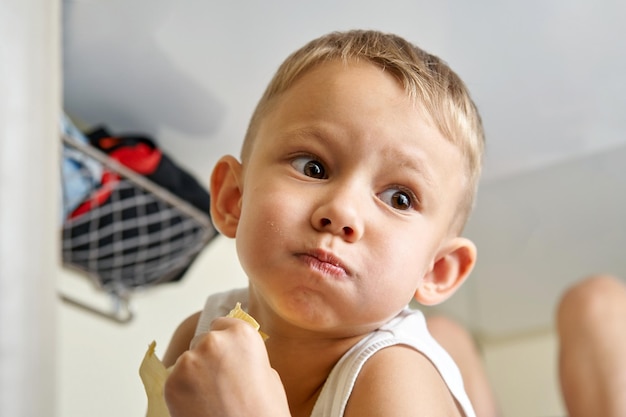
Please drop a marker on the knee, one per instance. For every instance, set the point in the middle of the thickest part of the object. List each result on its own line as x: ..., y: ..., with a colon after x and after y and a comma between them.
x: 595, y: 298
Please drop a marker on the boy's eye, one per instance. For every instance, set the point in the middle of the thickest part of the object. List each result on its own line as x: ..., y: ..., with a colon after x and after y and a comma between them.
x: 398, y: 199
x: 309, y: 167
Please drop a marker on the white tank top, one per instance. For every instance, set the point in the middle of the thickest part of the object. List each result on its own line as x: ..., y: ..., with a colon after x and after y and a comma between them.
x: 407, y: 328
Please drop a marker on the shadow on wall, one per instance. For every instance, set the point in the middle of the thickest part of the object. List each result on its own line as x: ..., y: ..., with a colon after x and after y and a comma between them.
x: 121, y: 77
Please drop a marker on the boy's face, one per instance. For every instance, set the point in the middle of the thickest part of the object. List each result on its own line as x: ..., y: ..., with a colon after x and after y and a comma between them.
x: 347, y: 201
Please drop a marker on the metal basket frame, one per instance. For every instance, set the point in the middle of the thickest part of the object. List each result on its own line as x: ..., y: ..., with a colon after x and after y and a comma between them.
x: 195, y: 223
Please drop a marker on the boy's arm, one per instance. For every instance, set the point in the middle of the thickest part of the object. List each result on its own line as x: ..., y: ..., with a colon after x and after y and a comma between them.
x: 181, y: 339
x: 399, y: 381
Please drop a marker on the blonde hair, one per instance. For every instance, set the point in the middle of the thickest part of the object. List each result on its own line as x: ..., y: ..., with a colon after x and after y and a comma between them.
x: 425, y: 77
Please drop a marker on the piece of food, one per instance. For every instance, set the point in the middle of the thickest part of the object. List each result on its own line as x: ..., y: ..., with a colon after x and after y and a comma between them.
x: 238, y: 313
x: 153, y: 373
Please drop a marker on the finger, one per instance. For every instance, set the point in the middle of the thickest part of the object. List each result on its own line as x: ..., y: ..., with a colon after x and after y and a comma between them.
x: 196, y: 339
x: 220, y: 323
x: 224, y: 323
x: 236, y: 322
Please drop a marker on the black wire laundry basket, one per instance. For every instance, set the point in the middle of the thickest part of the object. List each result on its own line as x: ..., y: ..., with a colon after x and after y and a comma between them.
x: 134, y: 234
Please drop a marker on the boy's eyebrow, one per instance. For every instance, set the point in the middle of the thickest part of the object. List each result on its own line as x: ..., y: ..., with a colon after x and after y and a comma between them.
x: 415, y: 163
x: 302, y: 134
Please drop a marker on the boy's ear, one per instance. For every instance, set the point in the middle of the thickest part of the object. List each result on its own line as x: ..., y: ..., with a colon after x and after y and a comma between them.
x: 226, y: 191
x: 453, y: 265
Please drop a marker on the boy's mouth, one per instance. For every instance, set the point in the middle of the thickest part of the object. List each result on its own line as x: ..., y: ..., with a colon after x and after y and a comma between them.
x: 325, y: 262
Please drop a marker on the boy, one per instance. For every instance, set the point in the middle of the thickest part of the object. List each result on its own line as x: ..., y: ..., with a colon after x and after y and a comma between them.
x: 357, y: 174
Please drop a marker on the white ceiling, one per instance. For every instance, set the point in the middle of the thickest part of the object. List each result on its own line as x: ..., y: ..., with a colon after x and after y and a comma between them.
x: 548, y: 77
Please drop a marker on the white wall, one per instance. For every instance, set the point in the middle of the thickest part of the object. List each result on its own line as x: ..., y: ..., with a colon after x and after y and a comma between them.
x: 29, y: 107
x: 99, y: 359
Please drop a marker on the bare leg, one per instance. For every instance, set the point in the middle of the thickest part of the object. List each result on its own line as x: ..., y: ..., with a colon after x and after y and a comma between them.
x: 591, y: 323
x: 460, y: 345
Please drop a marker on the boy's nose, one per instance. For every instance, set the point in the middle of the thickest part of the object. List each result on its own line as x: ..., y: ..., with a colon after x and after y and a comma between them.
x: 348, y: 231
x: 338, y: 219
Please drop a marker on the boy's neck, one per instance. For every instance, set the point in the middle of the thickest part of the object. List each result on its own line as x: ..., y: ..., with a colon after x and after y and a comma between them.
x: 304, y: 366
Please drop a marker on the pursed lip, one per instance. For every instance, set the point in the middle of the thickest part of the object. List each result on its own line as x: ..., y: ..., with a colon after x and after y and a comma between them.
x: 325, y: 262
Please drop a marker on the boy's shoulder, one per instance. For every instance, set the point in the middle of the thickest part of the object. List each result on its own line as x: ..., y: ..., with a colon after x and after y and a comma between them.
x: 383, y: 373
x: 399, y: 380
x: 180, y: 339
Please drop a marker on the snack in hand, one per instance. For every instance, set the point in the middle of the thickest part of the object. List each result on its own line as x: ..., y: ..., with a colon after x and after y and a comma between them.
x: 153, y: 373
